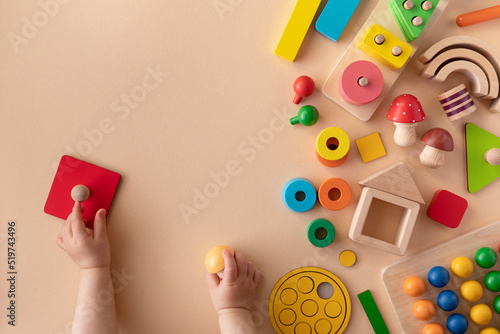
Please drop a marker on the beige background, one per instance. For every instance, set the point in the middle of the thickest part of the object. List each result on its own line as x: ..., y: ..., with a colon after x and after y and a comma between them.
x: 224, y: 89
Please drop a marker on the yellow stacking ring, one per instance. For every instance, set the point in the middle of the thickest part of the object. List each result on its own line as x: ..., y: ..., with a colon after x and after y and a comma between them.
x: 332, y: 144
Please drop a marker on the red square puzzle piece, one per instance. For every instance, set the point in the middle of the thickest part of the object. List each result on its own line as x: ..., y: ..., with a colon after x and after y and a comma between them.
x: 101, y: 182
x: 447, y: 208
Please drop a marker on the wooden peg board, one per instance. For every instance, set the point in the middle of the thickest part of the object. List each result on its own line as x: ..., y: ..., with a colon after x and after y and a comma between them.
x: 383, y: 16
x: 419, y: 264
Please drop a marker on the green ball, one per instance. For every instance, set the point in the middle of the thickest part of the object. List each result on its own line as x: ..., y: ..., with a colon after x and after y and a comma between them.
x: 496, y: 304
x: 492, y: 281
x: 486, y: 257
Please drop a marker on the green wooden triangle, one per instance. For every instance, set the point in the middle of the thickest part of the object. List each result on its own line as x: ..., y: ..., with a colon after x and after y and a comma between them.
x: 479, y: 172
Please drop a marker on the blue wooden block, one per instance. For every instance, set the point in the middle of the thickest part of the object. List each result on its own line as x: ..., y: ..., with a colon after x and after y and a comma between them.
x: 299, y: 195
x: 332, y: 21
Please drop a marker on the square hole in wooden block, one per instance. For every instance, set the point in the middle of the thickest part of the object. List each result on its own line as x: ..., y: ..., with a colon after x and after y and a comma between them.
x: 384, y: 221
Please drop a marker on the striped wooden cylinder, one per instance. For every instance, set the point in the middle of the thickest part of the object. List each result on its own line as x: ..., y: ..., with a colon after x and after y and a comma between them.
x: 457, y: 102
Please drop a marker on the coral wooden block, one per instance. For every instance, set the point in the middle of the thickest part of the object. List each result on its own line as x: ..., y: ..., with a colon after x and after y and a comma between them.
x: 447, y: 208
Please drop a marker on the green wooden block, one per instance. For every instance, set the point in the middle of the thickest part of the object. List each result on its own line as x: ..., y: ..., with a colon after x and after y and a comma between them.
x: 404, y: 16
x: 373, y: 313
x: 479, y: 172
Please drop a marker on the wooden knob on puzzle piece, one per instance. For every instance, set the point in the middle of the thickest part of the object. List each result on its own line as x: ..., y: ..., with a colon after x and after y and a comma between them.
x: 408, y: 5
x: 379, y: 39
x: 80, y: 193
x: 426, y: 5
x: 396, y: 51
x: 417, y: 21
x: 493, y: 156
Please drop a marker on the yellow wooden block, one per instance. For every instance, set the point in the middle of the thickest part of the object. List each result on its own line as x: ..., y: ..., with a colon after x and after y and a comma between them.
x: 297, y: 28
x: 371, y: 147
x: 389, y: 50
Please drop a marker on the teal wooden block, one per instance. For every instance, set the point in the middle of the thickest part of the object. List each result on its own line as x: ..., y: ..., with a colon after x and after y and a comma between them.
x: 334, y: 17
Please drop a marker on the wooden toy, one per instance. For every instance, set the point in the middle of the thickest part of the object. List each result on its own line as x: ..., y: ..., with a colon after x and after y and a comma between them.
x: 492, y: 281
x: 457, y: 323
x: 468, y: 42
x: 462, y: 267
x: 372, y: 312
x: 370, y: 147
x: 332, y: 147
x: 214, y: 261
x: 405, y: 112
x: 485, y: 257
x: 471, y: 291
x: 447, y: 208
x: 334, y: 194
x: 320, y: 233
x: 412, y: 19
x: 493, y: 156
x: 433, y: 328
x: 480, y: 172
x: 334, y: 18
x: 396, y: 180
x: 432, y: 70
x: 361, y: 82
x: 405, y: 228
x: 436, y: 140
x: 489, y: 330
x: 438, y: 277
x: 307, y: 116
x: 481, y: 314
x: 299, y: 195
x: 457, y: 102
x: 478, y: 16
x: 385, y: 47
x: 347, y: 258
x: 331, y: 86
x: 298, y: 305
x: 102, y: 184
x: 296, y: 29
x: 474, y: 74
x: 443, y: 254
x: 303, y: 86
x: 414, y: 286
x: 80, y: 193
x: 424, y: 310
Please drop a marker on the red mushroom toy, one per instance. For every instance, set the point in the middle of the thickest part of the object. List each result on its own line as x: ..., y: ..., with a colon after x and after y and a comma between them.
x: 436, y: 141
x: 405, y: 112
x: 303, y: 87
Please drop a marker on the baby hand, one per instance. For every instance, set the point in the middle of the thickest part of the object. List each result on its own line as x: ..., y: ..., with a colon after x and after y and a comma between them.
x: 238, y: 287
x: 87, y: 249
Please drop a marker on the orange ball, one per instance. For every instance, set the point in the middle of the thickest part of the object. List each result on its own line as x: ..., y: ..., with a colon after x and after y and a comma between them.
x: 414, y: 286
x: 433, y: 328
x: 424, y: 310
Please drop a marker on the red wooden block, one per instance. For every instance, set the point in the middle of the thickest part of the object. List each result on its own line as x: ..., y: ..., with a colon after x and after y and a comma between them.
x: 71, y: 172
x: 447, y: 208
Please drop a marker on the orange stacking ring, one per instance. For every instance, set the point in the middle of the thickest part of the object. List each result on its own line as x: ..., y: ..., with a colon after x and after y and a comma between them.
x: 334, y: 194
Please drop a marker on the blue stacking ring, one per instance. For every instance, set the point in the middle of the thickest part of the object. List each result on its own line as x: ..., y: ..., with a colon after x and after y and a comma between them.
x: 299, y: 195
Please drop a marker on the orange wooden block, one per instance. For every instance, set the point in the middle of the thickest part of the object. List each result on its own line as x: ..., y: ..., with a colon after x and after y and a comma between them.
x: 334, y: 194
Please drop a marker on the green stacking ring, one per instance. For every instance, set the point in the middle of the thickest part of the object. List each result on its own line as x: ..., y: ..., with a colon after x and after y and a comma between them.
x: 321, y: 232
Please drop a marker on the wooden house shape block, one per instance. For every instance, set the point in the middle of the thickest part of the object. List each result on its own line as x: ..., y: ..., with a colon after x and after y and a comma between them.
x: 405, y: 198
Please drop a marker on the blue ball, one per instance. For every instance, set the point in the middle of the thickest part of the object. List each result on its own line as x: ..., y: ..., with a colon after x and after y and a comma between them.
x: 438, y: 277
x: 447, y: 300
x: 457, y: 323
